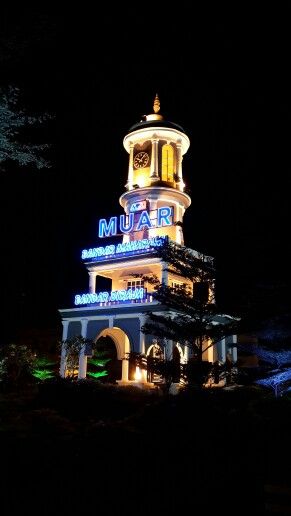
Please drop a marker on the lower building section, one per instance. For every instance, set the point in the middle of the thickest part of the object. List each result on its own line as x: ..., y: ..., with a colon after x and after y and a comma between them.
x: 118, y: 338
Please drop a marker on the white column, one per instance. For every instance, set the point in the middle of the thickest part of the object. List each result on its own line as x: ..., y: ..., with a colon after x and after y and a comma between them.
x: 82, y: 357
x: 130, y: 167
x: 186, y: 354
x: 178, y: 218
x: 63, y: 352
x: 210, y: 353
x: 165, y: 274
x: 142, y: 320
x: 124, y: 373
x: 155, y: 159
x: 234, y: 349
x: 169, y: 350
x: 222, y: 350
x: 65, y: 329
x: 92, y: 282
x: 179, y: 165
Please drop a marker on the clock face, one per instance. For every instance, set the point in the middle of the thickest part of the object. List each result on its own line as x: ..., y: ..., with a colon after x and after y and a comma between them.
x: 141, y: 160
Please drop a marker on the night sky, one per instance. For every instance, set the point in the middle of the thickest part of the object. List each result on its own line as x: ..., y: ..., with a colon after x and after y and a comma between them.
x: 225, y: 81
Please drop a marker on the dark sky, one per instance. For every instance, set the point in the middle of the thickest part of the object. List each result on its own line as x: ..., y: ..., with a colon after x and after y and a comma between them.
x: 226, y: 81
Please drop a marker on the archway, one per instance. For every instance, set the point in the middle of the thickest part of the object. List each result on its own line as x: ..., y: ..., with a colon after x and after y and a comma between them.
x: 105, y: 356
x: 114, y: 343
x: 154, y: 355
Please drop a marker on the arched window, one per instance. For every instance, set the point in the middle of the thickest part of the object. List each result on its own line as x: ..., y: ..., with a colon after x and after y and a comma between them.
x: 167, y: 163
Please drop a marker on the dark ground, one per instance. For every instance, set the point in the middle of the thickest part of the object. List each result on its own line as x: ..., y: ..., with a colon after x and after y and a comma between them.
x: 104, y: 450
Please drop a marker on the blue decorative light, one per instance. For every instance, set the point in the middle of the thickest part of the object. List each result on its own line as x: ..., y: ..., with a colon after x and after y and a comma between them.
x: 129, y: 227
x: 123, y: 249
x: 107, y: 229
x: 164, y: 216
x: 144, y: 221
x: 138, y: 206
x: 115, y: 295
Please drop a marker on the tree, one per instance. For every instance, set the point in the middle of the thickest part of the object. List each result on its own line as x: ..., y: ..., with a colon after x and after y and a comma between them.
x: 13, y: 123
x: 72, y: 348
x: 191, y: 316
x: 16, y: 363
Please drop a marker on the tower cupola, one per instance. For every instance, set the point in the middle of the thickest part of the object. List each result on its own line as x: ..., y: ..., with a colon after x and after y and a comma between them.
x: 156, y: 148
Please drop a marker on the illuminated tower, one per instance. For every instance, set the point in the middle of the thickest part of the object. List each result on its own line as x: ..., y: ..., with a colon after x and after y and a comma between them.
x: 154, y: 204
x: 156, y: 148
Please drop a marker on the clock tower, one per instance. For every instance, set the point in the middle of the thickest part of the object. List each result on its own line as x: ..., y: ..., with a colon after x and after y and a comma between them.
x: 154, y: 203
x: 156, y: 148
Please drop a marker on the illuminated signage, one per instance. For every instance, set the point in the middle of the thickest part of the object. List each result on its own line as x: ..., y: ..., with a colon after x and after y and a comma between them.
x: 127, y: 223
x: 123, y: 249
x: 114, y: 295
x: 138, y: 206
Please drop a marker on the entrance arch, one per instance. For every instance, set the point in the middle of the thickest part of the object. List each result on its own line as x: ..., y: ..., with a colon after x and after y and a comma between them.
x: 119, y: 339
x: 154, y: 354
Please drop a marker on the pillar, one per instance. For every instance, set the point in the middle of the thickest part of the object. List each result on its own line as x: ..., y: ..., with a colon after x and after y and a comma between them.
x: 82, y: 357
x: 142, y: 320
x: 92, y: 282
x: 186, y: 354
x: 222, y: 356
x: 165, y: 274
x: 130, y: 167
x: 179, y: 166
x: 124, y: 373
x: 234, y: 349
x: 63, y: 351
x: 210, y: 352
x: 155, y: 159
x: 169, y: 350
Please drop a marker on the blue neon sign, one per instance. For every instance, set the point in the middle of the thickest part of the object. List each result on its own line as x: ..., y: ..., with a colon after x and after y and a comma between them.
x: 114, y: 295
x: 123, y: 249
x: 107, y: 229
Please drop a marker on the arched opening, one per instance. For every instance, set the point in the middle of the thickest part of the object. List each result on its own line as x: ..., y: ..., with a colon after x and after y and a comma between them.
x: 105, y: 361
x: 154, y: 355
x: 113, y: 344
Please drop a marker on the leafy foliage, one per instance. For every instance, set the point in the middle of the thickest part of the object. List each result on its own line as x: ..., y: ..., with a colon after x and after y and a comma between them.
x: 98, y: 374
x: 72, y: 348
x: 276, y: 358
x: 99, y: 362
x: 42, y: 374
x: 192, y: 317
x: 279, y: 382
x: 13, y: 122
x: 275, y: 366
x: 43, y: 368
x: 16, y: 363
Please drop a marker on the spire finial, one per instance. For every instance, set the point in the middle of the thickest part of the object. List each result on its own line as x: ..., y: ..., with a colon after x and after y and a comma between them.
x: 157, y: 104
